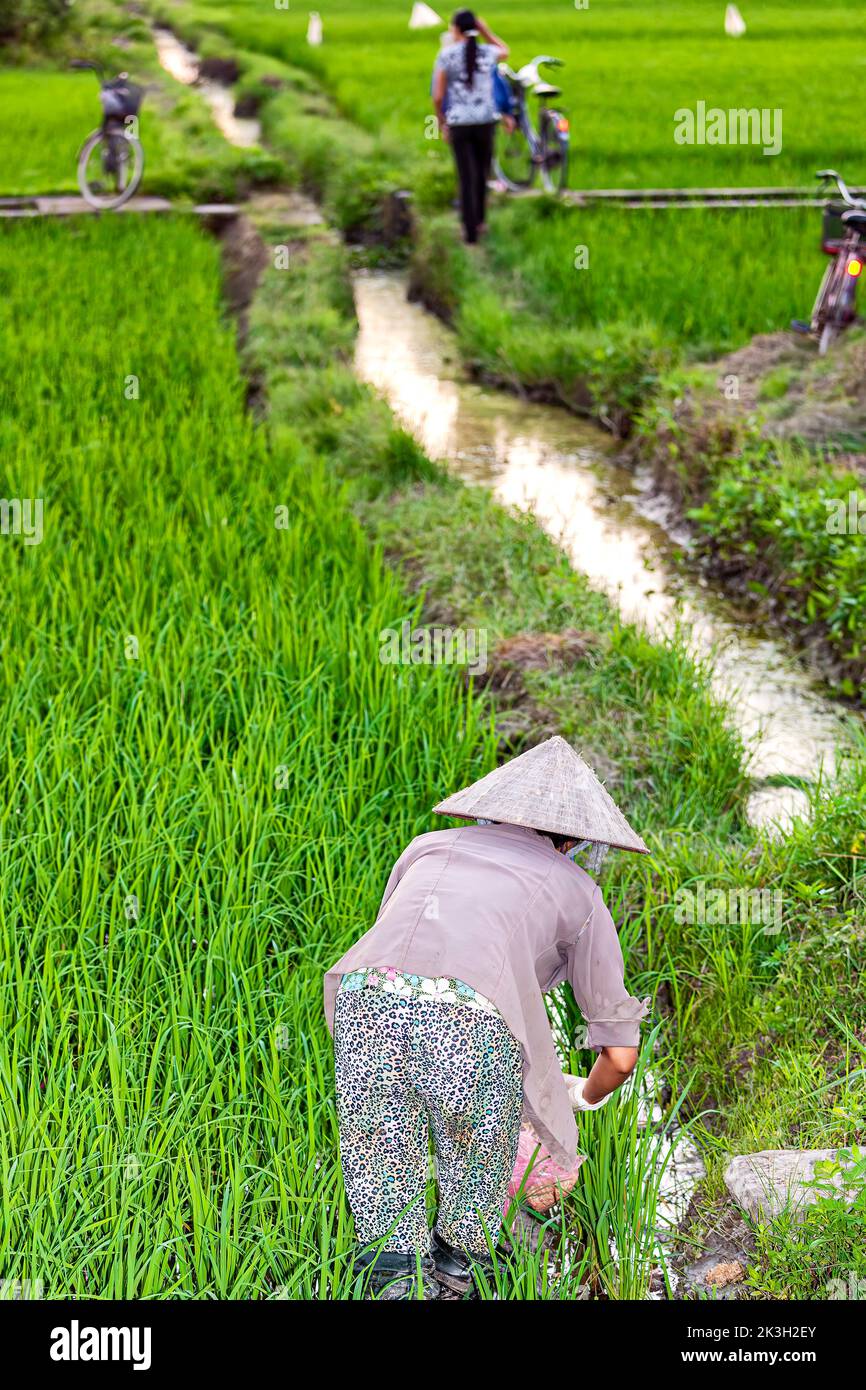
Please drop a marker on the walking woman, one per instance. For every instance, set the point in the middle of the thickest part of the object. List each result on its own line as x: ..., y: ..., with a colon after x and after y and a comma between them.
x: 465, y: 108
x: 439, y: 1019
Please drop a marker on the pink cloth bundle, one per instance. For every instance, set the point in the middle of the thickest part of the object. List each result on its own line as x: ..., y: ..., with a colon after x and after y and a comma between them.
x: 547, y: 1182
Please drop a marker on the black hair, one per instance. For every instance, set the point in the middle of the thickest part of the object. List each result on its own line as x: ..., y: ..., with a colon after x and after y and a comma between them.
x: 464, y: 20
x: 557, y: 840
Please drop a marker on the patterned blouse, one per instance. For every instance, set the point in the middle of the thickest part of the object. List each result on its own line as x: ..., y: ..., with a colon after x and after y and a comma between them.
x: 469, y: 105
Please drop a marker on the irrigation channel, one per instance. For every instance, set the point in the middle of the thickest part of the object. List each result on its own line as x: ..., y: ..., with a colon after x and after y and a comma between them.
x: 182, y: 64
x: 613, y: 528
x: 608, y: 521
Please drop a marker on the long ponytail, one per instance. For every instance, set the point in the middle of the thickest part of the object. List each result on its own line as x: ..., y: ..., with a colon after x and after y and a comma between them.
x: 464, y: 20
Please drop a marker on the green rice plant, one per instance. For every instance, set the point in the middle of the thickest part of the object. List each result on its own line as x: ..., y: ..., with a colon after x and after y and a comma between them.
x: 44, y: 119
x: 699, y: 276
x: 615, y: 1204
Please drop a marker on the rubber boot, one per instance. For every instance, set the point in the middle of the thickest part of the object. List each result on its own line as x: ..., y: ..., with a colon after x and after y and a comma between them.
x: 455, y: 1270
x: 391, y: 1275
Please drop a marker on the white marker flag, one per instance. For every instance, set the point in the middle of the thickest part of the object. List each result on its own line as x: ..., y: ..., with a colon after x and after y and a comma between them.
x: 735, y: 25
x: 423, y: 17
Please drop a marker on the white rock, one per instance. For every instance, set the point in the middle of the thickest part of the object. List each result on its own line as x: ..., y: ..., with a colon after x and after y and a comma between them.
x: 764, y: 1183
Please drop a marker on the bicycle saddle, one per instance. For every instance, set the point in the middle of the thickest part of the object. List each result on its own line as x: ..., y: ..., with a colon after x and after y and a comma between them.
x: 855, y: 217
x: 544, y: 89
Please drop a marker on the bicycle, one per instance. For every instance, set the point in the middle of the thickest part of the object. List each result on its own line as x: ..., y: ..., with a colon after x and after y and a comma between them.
x: 111, y: 160
x: 843, y: 232
x: 527, y: 150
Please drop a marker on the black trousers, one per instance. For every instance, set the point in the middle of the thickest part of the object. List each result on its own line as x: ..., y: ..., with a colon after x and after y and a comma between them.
x: 473, y: 151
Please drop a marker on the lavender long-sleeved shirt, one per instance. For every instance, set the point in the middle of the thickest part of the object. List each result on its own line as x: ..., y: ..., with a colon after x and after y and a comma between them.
x: 498, y: 908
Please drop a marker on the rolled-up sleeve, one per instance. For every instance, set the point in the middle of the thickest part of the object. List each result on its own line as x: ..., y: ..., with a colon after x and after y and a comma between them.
x: 596, y: 976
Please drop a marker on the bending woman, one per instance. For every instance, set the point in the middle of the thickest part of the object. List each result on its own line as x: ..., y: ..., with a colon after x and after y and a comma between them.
x: 439, y: 1020
x: 464, y: 81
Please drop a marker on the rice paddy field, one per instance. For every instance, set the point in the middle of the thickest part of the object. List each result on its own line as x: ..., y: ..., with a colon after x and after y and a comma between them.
x: 207, y: 770
x: 43, y: 119
x: 176, y: 832
x: 628, y: 68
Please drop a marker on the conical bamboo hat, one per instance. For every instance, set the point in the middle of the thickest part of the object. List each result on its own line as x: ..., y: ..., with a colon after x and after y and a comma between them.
x: 548, y: 788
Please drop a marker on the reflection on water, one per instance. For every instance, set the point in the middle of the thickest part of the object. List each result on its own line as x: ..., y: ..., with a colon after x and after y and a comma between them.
x: 182, y: 64
x: 540, y: 458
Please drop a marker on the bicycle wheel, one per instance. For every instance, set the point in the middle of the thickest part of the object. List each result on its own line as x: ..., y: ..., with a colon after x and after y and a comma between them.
x: 841, y: 314
x: 822, y: 300
x: 554, y: 156
x: 110, y: 167
x: 834, y: 305
x: 829, y: 333
x: 512, y: 160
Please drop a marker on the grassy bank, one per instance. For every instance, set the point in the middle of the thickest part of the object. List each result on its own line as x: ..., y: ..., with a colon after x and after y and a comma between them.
x: 762, y: 452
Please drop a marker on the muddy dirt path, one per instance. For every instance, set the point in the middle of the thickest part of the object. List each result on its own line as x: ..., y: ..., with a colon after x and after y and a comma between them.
x: 539, y: 458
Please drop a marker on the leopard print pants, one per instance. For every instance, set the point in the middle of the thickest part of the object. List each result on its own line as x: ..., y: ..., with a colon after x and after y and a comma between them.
x: 407, y: 1066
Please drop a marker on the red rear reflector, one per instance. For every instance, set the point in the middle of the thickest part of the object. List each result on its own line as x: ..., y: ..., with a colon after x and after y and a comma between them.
x: 854, y: 267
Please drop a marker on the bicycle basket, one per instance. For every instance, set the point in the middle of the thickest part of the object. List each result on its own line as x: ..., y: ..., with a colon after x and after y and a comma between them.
x: 121, y: 98
x: 833, y: 230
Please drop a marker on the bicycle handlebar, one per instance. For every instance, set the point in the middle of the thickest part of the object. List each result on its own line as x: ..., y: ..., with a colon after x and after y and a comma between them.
x: 528, y: 75
x: 541, y: 59
x: 85, y: 64
x: 831, y: 176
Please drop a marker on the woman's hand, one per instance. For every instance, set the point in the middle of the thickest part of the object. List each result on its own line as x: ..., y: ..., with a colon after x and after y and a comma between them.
x: 576, y: 1086
x: 488, y: 34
